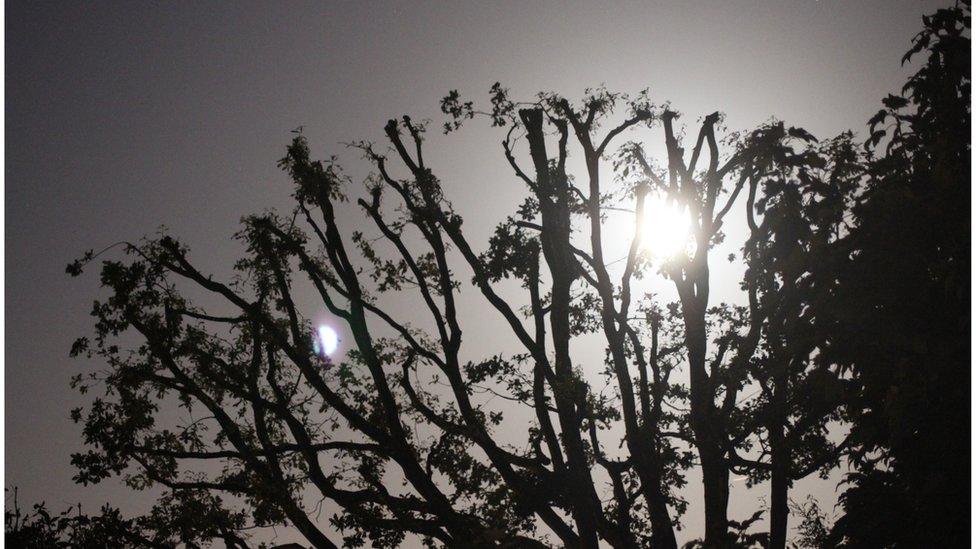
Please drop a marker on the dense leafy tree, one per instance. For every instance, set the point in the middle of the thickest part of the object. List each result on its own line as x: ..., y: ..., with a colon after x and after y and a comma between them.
x: 901, y: 314
x: 190, y: 518
x: 802, y: 212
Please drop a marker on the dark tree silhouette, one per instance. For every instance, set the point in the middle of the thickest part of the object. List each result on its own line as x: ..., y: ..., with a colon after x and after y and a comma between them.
x: 800, y: 197
x: 802, y: 211
x: 277, y: 407
x: 901, y: 314
x: 400, y: 437
x: 185, y: 517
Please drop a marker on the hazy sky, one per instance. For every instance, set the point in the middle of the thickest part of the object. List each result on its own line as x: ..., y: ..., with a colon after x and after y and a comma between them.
x: 121, y: 117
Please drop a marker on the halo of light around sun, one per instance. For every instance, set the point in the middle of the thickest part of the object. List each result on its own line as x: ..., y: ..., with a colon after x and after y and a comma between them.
x: 326, y: 342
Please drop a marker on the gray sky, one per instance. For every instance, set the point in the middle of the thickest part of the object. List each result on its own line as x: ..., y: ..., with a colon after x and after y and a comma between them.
x: 121, y: 117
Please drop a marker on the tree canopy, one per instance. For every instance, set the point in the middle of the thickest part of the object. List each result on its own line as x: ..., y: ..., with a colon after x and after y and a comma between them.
x: 901, y: 317
x: 850, y: 345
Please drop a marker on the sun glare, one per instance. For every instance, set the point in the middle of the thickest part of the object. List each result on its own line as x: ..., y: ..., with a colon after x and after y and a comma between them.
x: 667, y: 228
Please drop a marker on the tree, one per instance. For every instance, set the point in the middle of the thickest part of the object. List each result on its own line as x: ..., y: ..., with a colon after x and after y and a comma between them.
x: 801, y: 391
x: 274, y: 406
x: 183, y: 518
x: 900, y: 319
x: 397, y: 436
x: 799, y: 196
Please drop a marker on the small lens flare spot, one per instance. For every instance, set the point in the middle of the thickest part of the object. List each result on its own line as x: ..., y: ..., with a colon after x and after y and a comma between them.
x: 327, y: 341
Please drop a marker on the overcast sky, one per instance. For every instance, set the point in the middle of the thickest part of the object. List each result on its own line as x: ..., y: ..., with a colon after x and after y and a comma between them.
x: 121, y: 117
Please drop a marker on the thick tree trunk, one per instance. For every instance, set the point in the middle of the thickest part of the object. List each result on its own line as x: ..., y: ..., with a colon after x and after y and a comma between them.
x: 780, y: 461
x: 715, y: 477
x: 779, y: 506
x: 705, y: 423
x: 662, y: 531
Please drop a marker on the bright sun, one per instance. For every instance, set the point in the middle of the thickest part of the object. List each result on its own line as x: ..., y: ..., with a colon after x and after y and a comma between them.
x: 666, y: 232
x: 327, y: 341
x: 667, y: 228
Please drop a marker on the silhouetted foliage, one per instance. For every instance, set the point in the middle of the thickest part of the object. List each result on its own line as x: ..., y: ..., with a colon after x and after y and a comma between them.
x: 901, y: 312
x: 185, y: 518
x: 401, y: 435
